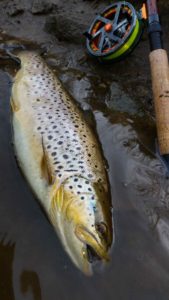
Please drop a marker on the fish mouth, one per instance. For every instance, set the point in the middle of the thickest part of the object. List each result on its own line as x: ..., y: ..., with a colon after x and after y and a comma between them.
x: 92, y: 256
x: 95, y: 249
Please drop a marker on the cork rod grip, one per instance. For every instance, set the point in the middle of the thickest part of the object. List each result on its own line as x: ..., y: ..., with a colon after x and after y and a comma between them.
x: 160, y: 83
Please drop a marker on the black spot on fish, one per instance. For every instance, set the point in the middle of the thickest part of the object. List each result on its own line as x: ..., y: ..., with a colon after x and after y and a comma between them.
x: 65, y: 156
x: 53, y: 154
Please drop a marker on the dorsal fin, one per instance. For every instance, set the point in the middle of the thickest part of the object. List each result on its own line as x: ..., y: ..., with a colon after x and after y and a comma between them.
x: 46, y: 168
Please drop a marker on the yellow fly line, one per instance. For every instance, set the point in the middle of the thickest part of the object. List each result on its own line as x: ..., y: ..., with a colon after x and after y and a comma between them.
x: 124, y: 48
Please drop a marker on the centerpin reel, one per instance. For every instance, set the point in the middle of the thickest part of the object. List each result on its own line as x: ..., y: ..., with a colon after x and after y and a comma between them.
x: 115, y: 32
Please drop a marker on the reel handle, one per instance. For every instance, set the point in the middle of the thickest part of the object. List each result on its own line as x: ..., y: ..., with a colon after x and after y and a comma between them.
x: 160, y: 84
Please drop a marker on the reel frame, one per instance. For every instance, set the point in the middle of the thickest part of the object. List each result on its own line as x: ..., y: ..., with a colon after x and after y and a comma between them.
x: 115, y: 32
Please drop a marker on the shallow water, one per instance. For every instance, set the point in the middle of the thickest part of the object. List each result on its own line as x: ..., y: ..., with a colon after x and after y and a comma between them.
x: 33, y: 264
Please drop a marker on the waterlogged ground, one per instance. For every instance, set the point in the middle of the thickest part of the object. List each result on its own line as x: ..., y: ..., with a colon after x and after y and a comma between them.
x: 117, y: 102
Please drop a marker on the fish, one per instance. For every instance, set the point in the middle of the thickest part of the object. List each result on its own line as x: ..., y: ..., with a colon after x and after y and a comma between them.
x: 60, y: 157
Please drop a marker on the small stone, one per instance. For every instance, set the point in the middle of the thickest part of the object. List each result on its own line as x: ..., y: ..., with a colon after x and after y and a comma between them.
x: 51, y: 24
x: 41, y: 7
x: 15, y: 8
x: 102, y: 85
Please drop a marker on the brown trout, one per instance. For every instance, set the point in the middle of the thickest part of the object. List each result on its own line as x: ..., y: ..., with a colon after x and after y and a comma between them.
x: 60, y: 158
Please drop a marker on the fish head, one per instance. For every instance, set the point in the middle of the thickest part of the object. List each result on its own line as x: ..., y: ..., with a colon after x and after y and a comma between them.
x: 81, y: 212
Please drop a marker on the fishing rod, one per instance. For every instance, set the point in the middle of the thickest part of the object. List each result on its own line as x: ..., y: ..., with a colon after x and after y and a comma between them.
x: 160, y: 81
x: 115, y: 33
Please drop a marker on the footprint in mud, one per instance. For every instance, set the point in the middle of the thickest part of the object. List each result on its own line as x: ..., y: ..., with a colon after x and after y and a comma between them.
x: 30, y: 284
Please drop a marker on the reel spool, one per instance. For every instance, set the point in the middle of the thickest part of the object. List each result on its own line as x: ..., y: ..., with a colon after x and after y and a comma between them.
x: 115, y: 32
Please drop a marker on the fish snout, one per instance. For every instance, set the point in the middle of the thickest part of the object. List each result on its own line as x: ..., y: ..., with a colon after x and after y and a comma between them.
x: 96, y: 247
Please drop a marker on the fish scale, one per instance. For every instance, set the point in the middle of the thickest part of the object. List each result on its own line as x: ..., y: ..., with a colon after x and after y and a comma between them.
x: 60, y: 157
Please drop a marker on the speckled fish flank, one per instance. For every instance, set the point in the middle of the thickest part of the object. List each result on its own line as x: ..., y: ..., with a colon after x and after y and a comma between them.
x: 60, y: 157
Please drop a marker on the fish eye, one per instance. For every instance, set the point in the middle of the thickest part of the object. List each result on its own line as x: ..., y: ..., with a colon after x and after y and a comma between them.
x: 102, y: 229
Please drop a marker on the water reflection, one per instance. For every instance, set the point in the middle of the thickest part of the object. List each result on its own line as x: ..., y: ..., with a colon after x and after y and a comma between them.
x: 7, y: 252
x: 30, y: 284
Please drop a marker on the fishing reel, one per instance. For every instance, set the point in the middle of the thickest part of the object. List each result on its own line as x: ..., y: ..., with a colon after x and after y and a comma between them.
x: 115, y: 32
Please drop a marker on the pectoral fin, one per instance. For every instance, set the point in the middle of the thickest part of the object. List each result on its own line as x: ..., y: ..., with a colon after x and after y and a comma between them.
x: 46, y: 169
x: 57, y: 197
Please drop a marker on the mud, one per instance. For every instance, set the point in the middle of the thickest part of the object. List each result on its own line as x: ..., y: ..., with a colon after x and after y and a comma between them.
x: 117, y: 101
